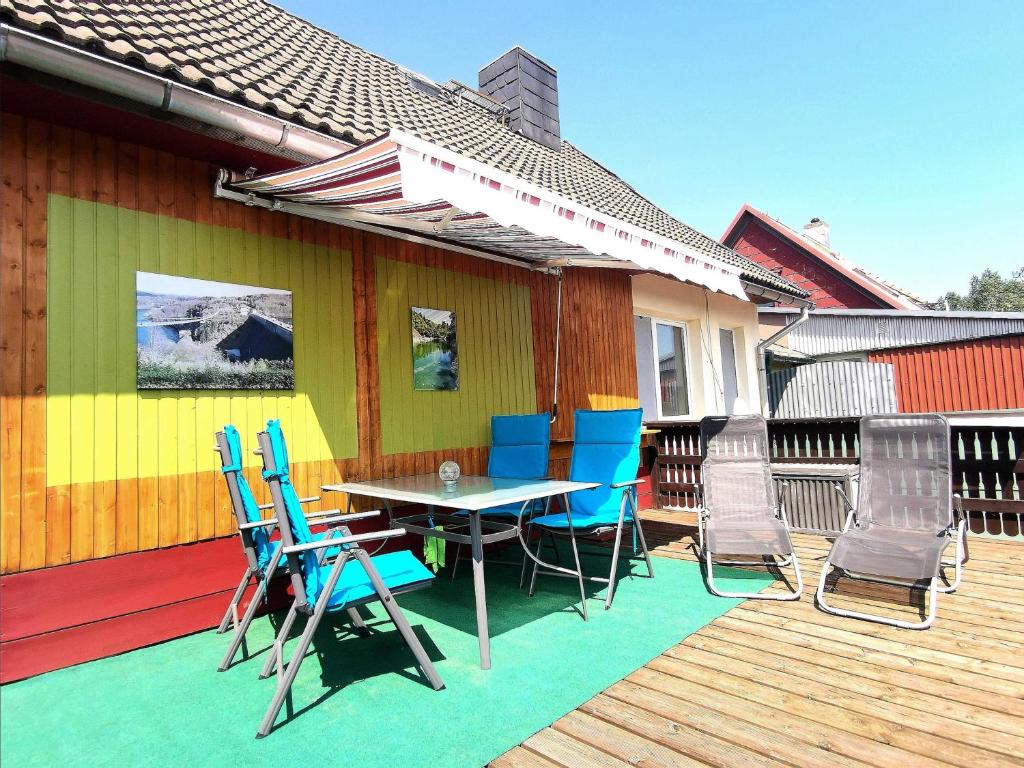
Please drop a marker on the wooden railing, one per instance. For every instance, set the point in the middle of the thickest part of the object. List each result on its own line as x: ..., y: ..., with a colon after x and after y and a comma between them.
x: 988, y: 462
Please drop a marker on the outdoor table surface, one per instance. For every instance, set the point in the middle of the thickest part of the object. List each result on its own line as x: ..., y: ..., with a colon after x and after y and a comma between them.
x: 472, y: 493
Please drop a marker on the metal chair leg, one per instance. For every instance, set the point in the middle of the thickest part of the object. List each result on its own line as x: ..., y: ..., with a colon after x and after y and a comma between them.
x: 400, y: 622
x: 455, y: 564
x: 639, y: 530
x: 282, y: 637
x: 284, y: 682
x: 615, y: 558
x: 932, y: 599
x: 536, y: 565
x: 229, y: 614
x: 243, y: 626
x: 576, y: 556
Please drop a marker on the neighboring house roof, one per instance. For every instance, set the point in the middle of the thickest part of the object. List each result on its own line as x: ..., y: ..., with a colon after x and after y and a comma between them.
x: 840, y: 331
x: 863, y: 280
x: 254, y: 53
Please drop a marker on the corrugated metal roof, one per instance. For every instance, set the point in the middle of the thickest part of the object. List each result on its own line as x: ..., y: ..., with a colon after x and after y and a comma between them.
x: 837, y: 332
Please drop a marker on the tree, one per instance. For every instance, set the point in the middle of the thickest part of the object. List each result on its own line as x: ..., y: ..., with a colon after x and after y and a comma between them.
x: 990, y: 292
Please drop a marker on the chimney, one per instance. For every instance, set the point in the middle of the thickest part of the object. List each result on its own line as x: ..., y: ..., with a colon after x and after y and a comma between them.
x: 529, y: 88
x: 817, y: 230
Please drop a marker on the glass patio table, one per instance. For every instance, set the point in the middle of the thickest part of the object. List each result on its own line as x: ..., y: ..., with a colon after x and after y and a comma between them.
x: 473, y: 494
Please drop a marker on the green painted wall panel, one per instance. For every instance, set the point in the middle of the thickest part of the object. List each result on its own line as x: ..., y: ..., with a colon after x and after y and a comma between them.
x: 99, y: 427
x: 495, y: 339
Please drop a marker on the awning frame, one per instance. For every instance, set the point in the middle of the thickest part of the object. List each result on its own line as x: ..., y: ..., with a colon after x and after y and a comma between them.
x: 400, y: 181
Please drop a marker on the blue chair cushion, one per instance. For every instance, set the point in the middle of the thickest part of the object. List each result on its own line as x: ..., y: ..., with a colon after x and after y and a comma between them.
x: 606, y: 450
x: 519, y: 446
x: 396, y: 569
x: 260, y: 540
x: 559, y: 521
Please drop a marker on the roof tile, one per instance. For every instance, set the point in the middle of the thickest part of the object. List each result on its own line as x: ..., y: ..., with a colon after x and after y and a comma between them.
x: 254, y: 52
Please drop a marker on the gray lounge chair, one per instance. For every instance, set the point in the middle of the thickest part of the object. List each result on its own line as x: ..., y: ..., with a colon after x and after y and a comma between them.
x: 904, y: 517
x: 740, y: 514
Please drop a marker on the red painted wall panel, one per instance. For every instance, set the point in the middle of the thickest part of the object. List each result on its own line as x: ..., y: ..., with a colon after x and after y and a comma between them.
x: 974, y: 375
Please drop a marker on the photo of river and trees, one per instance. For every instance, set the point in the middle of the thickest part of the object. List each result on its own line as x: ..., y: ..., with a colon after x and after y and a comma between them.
x: 435, y: 350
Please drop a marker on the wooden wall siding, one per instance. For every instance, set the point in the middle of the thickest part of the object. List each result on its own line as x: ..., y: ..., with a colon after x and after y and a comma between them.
x: 43, y: 523
x: 495, y: 355
x: 101, y: 430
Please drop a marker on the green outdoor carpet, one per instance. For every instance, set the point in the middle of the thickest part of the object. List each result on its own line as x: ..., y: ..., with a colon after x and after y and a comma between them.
x: 360, y: 700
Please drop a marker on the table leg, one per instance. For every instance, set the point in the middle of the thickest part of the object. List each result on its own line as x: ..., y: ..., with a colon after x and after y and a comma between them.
x: 478, y: 587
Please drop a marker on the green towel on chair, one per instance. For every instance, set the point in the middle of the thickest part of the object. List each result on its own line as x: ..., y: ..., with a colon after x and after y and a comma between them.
x: 433, y: 551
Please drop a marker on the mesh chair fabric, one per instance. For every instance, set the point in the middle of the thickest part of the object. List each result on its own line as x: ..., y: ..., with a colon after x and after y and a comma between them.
x: 905, y: 501
x: 739, y: 494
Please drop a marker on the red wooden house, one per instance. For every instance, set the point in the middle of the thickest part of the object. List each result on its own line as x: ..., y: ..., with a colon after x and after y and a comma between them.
x: 807, y: 259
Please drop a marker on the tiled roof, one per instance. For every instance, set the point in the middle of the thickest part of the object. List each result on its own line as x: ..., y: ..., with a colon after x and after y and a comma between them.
x: 259, y: 55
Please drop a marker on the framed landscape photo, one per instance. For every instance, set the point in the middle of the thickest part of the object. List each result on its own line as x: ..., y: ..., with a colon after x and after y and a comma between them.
x: 435, y: 350
x: 200, y: 334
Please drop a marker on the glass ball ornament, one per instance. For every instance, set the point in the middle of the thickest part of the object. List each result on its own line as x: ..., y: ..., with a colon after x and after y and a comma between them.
x: 449, y: 472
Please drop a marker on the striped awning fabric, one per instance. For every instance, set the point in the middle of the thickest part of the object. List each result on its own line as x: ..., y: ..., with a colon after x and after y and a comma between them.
x: 398, y: 180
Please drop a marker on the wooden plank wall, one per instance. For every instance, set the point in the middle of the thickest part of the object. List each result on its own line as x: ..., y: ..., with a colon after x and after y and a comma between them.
x: 597, y: 364
x: 974, y: 375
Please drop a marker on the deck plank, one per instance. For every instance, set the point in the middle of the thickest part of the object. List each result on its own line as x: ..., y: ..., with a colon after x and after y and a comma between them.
x: 771, y: 683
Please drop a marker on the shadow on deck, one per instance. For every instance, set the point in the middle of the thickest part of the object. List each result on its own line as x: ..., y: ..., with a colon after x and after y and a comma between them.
x: 772, y: 683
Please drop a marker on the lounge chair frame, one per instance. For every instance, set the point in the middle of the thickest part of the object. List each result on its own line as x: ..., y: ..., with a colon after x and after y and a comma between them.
x: 705, y: 514
x: 957, y: 532
x: 351, y: 548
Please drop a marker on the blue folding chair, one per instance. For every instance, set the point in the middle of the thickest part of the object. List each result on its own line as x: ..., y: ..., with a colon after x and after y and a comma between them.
x: 263, y: 556
x: 606, y: 450
x: 353, y: 579
x: 519, y: 450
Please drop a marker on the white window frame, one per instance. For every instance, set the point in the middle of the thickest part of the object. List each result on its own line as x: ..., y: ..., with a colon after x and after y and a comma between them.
x: 735, y: 366
x: 655, y: 322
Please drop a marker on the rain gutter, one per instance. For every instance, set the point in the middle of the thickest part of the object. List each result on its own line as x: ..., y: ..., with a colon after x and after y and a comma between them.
x: 58, y: 59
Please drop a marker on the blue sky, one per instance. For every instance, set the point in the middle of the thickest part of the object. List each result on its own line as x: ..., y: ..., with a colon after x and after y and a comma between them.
x: 899, y: 123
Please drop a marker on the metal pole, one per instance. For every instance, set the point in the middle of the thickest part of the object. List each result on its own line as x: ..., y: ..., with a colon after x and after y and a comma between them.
x: 558, y: 340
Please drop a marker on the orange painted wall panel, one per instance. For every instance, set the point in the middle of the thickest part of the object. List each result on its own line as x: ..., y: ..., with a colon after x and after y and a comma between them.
x: 975, y: 375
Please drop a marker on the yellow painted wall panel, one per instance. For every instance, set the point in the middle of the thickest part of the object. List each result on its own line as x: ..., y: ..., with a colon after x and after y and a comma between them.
x: 100, y: 428
x: 495, y: 351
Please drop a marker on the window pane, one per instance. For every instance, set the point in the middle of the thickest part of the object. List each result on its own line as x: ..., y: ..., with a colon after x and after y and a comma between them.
x: 675, y: 400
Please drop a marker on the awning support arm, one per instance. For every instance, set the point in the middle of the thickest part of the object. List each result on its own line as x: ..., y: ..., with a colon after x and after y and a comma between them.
x: 558, y: 339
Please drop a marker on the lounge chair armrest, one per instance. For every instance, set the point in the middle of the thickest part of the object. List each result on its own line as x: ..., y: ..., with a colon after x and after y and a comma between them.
x: 843, y: 496
x: 626, y: 483
x: 258, y: 524
x: 306, y: 500
x: 313, y: 516
x: 958, y: 508
x: 341, y: 518
x: 340, y: 540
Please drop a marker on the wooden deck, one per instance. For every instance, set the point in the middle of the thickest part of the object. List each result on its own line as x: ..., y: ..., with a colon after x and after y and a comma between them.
x: 785, y: 684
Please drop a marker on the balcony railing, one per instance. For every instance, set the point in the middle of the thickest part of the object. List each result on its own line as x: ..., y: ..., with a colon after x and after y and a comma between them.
x: 988, y: 464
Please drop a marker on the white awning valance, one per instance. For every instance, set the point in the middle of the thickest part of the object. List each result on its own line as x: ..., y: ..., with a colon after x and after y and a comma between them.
x: 401, y: 181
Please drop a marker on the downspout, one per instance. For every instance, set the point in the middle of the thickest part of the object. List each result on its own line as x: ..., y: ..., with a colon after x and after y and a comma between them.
x: 762, y: 354
x: 85, y: 68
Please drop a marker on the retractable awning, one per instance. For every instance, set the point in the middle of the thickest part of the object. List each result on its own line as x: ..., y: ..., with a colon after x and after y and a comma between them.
x: 400, y: 181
